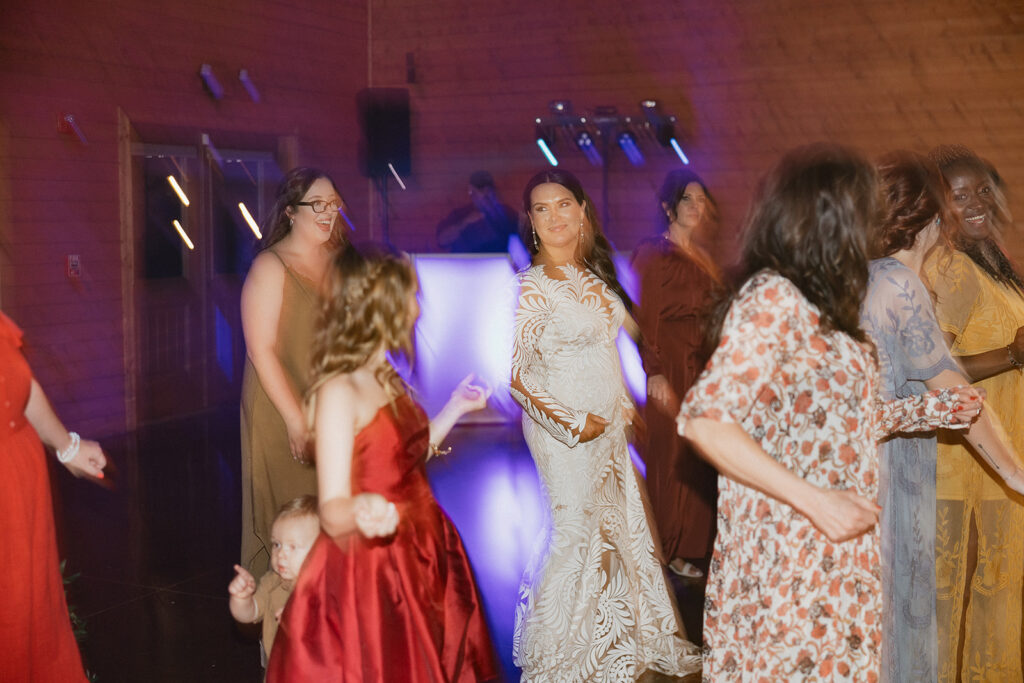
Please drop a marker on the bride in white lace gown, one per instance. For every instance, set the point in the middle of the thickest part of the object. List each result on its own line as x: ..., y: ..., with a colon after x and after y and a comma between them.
x: 595, y: 605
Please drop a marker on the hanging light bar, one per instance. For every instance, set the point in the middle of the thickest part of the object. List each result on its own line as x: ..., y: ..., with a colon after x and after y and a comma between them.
x: 184, y: 237
x: 545, y: 140
x: 397, y: 177
x: 679, y: 150
x: 177, y: 190
x: 248, y: 219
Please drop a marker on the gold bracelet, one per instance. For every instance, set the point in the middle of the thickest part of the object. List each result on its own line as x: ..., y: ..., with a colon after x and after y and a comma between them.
x: 436, y: 450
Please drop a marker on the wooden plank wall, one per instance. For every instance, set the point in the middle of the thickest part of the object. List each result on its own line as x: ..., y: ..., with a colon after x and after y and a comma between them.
x: 61, y: 197
x: 748, y: 80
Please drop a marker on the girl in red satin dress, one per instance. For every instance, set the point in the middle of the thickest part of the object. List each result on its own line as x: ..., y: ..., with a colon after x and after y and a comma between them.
x: 386, y: 593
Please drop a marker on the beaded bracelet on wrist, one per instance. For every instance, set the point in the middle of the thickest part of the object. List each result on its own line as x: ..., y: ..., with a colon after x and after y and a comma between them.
x: 71, y: 451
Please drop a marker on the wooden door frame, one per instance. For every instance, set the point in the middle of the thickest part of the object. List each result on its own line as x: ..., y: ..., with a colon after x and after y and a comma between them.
x: 125, y: 138
x: 128, y: 142
x: 129, y: 147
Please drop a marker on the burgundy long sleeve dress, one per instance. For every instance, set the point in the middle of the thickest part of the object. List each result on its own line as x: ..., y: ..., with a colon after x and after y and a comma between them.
x: 675, y: 295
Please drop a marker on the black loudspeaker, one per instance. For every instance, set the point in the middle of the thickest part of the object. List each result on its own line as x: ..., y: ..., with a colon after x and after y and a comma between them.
x: 386, y: 139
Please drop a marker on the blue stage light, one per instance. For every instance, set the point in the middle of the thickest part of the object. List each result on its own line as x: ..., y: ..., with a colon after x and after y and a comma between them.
x: 547, y: 151
x: 679, y: 151
x: 545, y: 135
x: 586, y: 145
x: 627, y: 141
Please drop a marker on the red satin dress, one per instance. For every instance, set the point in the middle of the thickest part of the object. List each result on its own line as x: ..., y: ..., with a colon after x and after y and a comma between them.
x: 36, y: 643
x: 404, y: 608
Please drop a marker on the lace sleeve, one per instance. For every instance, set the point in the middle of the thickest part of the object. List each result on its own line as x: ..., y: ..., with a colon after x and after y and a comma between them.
x: 532, y: 314
x: 921, y: 413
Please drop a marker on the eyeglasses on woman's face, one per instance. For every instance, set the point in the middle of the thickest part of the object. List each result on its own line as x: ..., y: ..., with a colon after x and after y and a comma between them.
x: 320, y: 205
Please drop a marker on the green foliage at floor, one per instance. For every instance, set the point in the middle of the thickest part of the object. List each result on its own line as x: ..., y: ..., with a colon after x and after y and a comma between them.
x: 77, y: 622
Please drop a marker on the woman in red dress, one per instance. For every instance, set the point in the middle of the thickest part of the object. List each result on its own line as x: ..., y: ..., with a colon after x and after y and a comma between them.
x: 35, y: 630
x: 677, y: 279
x: 386, y: 593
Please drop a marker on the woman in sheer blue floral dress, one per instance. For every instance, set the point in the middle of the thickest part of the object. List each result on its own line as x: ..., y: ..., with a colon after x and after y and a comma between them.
x: 898, y: 315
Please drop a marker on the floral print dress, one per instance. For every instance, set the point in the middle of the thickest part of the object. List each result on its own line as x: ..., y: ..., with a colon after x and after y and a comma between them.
x: 784, y: 603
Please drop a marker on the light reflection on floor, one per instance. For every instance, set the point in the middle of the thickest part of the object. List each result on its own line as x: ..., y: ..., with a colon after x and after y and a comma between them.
x: 488, y: 486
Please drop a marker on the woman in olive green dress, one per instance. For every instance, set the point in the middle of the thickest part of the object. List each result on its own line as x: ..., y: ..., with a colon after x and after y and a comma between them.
x: 280, y: 301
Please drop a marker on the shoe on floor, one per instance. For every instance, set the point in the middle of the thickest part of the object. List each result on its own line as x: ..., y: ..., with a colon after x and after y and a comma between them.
x: 687, y: 570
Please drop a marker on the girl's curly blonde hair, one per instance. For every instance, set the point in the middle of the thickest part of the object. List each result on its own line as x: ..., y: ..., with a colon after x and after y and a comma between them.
x: 366, y: 308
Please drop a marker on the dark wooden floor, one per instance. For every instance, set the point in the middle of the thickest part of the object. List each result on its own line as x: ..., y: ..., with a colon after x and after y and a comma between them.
x: 154, y: 556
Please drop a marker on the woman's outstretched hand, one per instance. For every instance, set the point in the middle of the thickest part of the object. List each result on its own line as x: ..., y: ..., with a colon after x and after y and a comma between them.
x: 468, y: 397
x: 375, y: 516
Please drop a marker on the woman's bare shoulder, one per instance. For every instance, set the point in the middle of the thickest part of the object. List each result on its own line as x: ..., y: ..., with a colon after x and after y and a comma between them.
x: 267, y: 267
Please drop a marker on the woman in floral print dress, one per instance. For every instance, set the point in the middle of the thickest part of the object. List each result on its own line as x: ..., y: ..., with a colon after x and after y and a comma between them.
x: 787, y: 409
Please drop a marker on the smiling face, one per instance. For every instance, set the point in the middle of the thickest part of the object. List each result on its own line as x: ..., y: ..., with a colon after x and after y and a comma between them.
x: 556, y: 216
x: 313, y: 226
x: 974, y: 200
x: 291, y: 537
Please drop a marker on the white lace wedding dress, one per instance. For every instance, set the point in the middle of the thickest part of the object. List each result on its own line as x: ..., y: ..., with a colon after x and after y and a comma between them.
x: 594, y: 605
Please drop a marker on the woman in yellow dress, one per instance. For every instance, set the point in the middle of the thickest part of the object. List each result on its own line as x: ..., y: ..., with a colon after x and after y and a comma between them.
x: 979, y: 557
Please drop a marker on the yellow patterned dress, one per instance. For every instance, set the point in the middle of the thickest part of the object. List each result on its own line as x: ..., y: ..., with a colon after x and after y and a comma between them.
x: 983, y: 315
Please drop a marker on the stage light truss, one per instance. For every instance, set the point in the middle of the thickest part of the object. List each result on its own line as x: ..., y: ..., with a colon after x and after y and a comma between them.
x: 595, y: 134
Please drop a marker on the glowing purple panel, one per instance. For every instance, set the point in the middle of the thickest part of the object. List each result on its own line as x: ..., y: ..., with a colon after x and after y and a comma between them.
x: 467, y: 304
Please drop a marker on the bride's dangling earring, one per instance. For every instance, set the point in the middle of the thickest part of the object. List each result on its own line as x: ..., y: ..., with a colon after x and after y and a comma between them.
x: 536, y: 244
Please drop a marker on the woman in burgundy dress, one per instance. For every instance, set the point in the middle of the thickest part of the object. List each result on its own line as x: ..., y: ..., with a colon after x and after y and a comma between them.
x: 386, y: 593
x: 677, y: 277
x: 38, y: 645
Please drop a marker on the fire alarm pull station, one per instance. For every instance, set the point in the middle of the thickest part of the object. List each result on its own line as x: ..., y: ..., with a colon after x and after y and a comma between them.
x: 74, y: 266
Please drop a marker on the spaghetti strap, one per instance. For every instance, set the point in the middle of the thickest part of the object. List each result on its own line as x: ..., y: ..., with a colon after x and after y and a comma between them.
x: 283, y: 262
x: 304, y: 283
